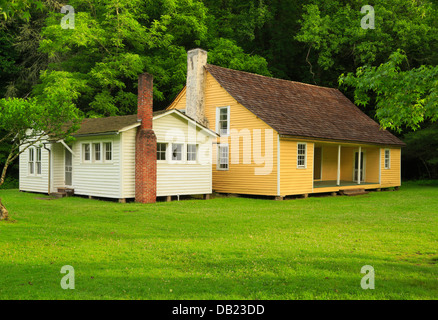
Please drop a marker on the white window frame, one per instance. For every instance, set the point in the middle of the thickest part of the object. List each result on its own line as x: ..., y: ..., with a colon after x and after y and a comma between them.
x: 31, y: 162
x: 90, y: 151
x: 218, y: 112
x: 218, y: 164
x: 166, y: 152
x: 196, y: 152
x: 105, y: 151
x: 100, y: 151
x: 302, y: 166
x: 387, y: 158
x: 182, y: 152
x: 38, y: 162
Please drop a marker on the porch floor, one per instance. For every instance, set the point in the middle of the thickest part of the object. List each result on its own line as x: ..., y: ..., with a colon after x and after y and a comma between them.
x: 332, y: 183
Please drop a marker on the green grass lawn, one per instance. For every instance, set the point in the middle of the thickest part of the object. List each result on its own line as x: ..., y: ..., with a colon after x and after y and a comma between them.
x: 224, y: 248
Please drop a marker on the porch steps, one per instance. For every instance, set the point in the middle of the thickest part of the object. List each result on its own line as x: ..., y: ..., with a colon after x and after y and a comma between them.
x: 58, y: 195
x: 63, y: 192
x: 353, y: 192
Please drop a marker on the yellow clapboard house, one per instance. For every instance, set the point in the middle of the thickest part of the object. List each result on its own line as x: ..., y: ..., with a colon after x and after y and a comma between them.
x: 281, y: 138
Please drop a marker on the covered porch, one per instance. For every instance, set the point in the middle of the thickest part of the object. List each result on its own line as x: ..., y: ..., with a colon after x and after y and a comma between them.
x: 345, y: 166
x: 327, y: 184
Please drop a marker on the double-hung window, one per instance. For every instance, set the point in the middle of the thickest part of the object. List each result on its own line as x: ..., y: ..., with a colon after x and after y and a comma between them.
x: 31, y: 161
x: 108, y: 151
x: 223, y: 156
x: 86, y: 152
x: 177, y: 151
x: 192, y: 152
x: 38, y: 161
x: 301, y: 156
x: 387, y: 159
x: 161, y: 151
x: 223, y: 120
x: 97, y: 152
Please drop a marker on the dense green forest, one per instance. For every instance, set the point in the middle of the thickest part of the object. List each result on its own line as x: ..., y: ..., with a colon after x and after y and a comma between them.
x: 390, y: 71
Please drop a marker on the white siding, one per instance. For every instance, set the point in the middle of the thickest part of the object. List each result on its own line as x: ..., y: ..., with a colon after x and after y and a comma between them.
x: 182, y: 178
x: 58, y: 178
x: 116, y: 179
x: 97, y: 179
x: 128, y: 163
x: 33, y: 183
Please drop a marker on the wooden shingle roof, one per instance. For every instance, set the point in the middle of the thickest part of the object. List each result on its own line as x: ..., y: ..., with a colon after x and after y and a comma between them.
x: 302, y: 110
x: 106, y: 125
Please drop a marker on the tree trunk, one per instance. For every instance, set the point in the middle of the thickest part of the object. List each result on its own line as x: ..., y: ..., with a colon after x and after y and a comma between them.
x: 427, y: 168
x: 3, y: 212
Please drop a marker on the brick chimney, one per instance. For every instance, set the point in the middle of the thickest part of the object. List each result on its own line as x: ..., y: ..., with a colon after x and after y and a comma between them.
x: 195, y: 88
x: 146, y: 144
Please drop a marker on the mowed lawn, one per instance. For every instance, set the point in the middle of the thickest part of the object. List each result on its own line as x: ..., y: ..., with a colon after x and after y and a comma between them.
x: 224, y: 248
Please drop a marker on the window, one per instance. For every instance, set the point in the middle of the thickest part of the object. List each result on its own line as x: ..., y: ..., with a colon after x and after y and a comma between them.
x: 191, y: 152
x: 86, y: 152
x: 387, y: 159
x: 301, y: 159
x: 161, y: 151
x: 31, y: 161
x: 177, y: 151
x: 223, y: 120
x: 97, y: 152
x: 222, y: 157
x: 108, y: 151
x: 38, y: 161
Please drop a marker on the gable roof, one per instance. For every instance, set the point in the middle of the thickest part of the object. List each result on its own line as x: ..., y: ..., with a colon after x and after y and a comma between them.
x: 106, y: 125
x: 163, y: 113
x: 301, y: 110
x: 115, y: 124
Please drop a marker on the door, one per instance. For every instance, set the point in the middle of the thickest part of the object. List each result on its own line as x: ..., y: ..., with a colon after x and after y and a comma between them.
x: 317, y: 165
x: 68, y: 168
x: 362, y: 161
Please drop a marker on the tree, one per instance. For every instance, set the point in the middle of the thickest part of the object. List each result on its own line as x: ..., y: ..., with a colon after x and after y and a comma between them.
x: 421, y: 153
x: 22, y: 38
x: 115, y: 40
x: 403, y: 98
x: 336, y: 42
x: 27, y: 122
x: 11, y: 8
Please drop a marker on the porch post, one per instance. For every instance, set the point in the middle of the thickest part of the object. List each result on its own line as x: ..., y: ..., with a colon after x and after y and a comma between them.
x: 358, y: 165
x: 338, y: 182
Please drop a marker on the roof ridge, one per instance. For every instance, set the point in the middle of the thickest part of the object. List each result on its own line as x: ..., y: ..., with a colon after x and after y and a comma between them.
x: 272, y: 78
x: 126, y: 115
x: 301, y: 109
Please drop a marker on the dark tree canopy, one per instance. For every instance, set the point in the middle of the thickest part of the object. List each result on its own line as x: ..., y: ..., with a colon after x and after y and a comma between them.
x: 389, y: 71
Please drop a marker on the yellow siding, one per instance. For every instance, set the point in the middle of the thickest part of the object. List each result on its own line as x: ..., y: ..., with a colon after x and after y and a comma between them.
x: 329, y: 162
x: 180, y: 101
x: 347, y: 163
x: 372, y: 164
x: 391, y: 177
x: 294, y: 180
x: 240, y: 178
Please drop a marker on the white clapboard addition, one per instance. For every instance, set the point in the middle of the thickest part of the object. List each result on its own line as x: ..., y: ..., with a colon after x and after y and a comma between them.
x: 96, y: 170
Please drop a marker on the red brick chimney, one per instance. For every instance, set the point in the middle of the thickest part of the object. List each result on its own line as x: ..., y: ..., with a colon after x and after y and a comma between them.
x: 146, y: 144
